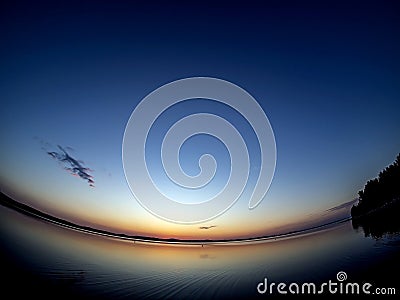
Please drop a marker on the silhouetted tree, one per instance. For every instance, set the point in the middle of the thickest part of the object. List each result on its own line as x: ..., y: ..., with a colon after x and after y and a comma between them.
x: 379, y: 203
x: 379, y: 191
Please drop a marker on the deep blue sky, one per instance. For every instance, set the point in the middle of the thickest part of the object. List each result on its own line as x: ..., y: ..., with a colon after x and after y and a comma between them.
x: 326, y: 74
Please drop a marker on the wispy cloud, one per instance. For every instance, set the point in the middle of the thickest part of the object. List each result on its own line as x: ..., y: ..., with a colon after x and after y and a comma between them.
x: 73, y: 166
x: 207, y: 227
x: 344, y: 205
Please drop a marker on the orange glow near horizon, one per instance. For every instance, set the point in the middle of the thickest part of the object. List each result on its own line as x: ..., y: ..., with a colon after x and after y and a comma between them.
x: 151, y: 226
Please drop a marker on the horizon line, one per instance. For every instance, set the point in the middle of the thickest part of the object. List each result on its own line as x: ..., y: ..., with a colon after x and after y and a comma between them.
x: 27, y: 210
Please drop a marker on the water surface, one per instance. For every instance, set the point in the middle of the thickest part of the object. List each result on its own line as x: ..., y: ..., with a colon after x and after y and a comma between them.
x: 49, y: 260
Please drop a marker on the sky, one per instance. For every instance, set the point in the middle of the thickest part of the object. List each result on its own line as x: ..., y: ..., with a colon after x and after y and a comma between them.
x: 325, y: 73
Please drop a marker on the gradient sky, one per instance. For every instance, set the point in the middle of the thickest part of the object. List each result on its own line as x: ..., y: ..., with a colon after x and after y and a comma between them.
x: 325, y: 73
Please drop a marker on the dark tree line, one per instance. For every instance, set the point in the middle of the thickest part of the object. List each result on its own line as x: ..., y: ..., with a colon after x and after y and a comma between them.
x: 377, y: 211
x: 380, y: 192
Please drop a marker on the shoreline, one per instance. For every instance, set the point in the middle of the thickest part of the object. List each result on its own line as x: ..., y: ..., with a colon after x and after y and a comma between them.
x: 26, y: 210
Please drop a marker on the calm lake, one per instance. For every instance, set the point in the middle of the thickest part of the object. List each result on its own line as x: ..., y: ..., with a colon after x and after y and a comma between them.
x: 50, y: 261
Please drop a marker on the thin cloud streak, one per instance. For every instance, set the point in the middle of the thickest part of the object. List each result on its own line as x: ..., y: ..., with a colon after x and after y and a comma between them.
x: 207, y: 227
x: 344, y: 205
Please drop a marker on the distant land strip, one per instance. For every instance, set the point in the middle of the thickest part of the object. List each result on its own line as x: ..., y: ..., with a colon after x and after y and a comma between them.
x: 32, y: 212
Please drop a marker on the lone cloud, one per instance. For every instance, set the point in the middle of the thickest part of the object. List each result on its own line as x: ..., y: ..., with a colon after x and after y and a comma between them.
x: 72, y: 165
x: 207, y: 227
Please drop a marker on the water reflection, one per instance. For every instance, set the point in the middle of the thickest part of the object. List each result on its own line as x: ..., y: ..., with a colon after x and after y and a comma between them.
x: 89, y: 265
x: 380, y: 222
